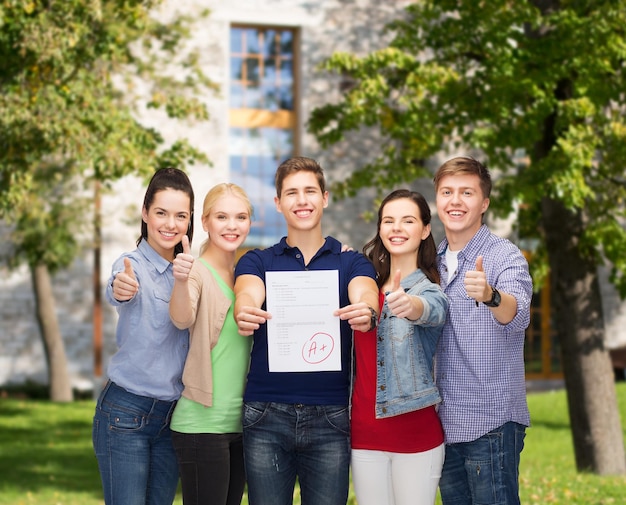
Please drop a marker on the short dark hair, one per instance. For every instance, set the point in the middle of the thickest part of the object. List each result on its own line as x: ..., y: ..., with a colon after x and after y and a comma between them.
x: 298, y: 164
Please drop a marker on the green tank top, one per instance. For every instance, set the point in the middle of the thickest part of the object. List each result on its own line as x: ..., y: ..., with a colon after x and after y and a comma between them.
x: 230, y: 359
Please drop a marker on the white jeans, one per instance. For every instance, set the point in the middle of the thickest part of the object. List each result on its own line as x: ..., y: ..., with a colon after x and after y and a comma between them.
x: 391, y: 478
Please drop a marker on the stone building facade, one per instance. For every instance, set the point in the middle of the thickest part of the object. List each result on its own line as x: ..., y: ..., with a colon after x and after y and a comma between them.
x: 317, y: 29
x: 322, y: 27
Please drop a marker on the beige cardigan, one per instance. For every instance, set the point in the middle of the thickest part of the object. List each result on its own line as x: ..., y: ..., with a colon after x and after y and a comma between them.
x: 209, y: 309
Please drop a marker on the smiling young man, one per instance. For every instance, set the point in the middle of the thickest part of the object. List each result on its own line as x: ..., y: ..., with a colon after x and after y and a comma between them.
x: 480, y: 356
x: 296, y: 423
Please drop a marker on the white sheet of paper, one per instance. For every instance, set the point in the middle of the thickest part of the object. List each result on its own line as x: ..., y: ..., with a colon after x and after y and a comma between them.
x: 303, y: 335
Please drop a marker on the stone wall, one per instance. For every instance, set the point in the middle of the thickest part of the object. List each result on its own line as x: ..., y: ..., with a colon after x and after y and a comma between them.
x: 351, y: 25
x: 326, y: 26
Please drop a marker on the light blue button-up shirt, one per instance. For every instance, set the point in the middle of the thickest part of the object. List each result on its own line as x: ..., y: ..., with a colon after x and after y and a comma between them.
x: 151, y: 350
x: 479, y: 361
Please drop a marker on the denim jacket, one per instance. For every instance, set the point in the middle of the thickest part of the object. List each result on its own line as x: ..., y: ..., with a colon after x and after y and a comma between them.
x: 405, y: 351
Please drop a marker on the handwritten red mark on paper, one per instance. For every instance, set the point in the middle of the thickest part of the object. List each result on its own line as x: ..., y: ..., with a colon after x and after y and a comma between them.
x: 318, y: 348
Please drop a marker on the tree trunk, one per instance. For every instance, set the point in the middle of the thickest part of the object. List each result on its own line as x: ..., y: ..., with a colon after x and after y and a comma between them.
x: 589, y: 379
x: 58, y: 373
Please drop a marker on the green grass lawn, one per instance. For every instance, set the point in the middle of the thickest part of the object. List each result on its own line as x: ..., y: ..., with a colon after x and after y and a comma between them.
x: 548, y: 468
x: 46, y: 456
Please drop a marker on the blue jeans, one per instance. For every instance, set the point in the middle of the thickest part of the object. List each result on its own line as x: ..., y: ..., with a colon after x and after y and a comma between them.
x: 285, y: 441
x: 133, y: 444
x: 211, y: 467
x: 484, y: 471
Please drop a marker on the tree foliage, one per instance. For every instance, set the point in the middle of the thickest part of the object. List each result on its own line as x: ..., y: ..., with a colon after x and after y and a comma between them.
x: 538, y: 88
x: 75, y: 76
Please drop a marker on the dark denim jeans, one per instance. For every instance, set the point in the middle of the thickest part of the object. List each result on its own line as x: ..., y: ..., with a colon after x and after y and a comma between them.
x: 284, y: 441
x: 211, y: 467
x: 484, y: 471
x: 133, y: 445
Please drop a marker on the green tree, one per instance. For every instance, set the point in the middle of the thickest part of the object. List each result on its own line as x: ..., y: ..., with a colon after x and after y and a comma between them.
x: 74, y: 76
x: 535, y: 80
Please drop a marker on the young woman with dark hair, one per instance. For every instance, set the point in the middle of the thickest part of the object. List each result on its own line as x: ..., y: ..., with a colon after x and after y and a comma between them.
x: 396, y: 435
x: 131, y: 426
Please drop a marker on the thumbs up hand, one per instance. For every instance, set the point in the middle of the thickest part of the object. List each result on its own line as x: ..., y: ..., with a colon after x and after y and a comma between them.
x: 183, y: 262
x: 398, y: 301
x: 125, y: 284
x: 476, y: 284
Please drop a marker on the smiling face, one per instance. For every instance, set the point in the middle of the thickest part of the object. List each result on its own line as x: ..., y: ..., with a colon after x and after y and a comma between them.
x: 401, y: 227
x: 167, y: 221
x: 302, y: 201
x: 228, y: 222
x: 460, y: 206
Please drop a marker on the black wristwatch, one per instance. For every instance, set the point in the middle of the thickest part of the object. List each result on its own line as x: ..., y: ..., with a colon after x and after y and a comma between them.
x: 373, y: 319
x: 495, y: 298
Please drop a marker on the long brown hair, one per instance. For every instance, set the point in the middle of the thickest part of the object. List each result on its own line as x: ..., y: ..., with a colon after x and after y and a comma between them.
x: 427, y: 252
x: 168, y: 178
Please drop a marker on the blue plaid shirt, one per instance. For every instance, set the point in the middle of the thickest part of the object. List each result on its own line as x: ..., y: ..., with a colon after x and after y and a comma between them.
x: 479, y: 361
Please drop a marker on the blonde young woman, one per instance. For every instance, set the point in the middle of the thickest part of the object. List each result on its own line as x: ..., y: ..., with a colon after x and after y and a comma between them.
x: 206, y: 425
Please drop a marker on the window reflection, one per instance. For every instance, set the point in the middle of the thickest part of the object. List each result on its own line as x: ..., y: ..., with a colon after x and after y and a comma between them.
x: 262, y: 120
x: 254, y: 155
x: 261, y: 68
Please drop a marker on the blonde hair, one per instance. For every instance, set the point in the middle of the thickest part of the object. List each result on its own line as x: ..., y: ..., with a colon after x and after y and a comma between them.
x: 217, y: 192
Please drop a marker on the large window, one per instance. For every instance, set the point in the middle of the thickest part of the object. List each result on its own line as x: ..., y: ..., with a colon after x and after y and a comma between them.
x: 262, y: 119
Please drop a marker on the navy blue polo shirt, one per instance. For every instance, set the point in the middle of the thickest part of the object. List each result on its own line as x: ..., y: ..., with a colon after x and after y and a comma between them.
x: 309, y: 388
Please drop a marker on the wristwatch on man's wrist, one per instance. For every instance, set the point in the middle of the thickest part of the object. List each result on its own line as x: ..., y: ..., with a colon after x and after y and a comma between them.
x: 373, y: 319
x: 495, y: 298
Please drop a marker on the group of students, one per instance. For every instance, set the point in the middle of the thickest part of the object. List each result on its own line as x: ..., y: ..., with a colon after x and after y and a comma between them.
x: 430, y: 390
